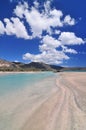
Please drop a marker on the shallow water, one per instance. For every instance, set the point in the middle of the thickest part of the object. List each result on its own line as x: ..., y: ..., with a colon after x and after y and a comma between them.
x: 21, y: 94
x: 13, y: 82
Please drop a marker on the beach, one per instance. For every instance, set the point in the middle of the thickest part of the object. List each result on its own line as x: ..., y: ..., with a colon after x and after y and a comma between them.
x: 56, y: 103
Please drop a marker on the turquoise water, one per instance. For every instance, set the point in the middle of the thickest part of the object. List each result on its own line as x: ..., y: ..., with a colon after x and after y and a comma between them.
x: 21, y: 94
x: 13, y: 82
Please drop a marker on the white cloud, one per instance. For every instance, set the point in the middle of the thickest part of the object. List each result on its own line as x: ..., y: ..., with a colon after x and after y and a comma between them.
x: 47, y: 6
x: 49, y: 43
x: 69, y: 38
x: 2, y: 28
x: 68, y: 50
x: 49, y: 49
x: 20, y: 9
x: 57, y: 32
x: 38, y: 20
x: 49, y: 53
x: 69, y: 20
x: 49, y: 57
x: 15, y: 27
x: 44, y: 20
x: 36, y: 4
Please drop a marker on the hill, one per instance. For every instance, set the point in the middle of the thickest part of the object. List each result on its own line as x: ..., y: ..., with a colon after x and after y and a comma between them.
x: 35, y: 66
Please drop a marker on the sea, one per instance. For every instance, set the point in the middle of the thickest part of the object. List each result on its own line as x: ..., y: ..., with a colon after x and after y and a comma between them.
x: 15, y: 81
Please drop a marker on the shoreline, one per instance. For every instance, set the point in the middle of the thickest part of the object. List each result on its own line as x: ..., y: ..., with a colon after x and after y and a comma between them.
x: 20, y: 72
x: 57, y: 103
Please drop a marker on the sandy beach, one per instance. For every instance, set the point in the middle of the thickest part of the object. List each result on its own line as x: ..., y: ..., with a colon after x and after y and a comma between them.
x: 58, y: 104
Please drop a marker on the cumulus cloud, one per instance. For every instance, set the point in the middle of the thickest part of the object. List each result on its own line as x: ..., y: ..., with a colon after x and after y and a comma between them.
x: 47, y: 19
x: 68, y: 50
x: 44, y: 23
x: 36, y: 4
x: 49, y: 43
x: 69, y: 20
x: 69, y: 38
x: 38, y: 21
x: 49, y: 57
x: 15, y: 27
x: 2, y: 28
x: 20, y: 9
x: 57, y: 32
x: 49, y: 51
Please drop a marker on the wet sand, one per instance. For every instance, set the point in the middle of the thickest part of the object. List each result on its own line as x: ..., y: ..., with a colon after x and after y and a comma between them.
x: 47, y: 106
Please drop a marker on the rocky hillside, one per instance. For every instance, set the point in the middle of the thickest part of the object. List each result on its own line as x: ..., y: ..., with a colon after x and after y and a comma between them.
x: 37, y: 66
x: 7, y: 66
x: 34, y: 66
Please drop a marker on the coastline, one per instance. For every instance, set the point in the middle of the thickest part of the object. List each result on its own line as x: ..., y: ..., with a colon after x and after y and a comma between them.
x: 52, y: 104
x: 22, y: 72
x: 66, y: 109
x: 9, y: 72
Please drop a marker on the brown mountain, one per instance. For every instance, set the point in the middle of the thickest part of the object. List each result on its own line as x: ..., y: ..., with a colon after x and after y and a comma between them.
x: 34, y: 66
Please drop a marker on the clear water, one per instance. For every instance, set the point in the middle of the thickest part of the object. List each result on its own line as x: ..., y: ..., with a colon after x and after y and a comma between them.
x: 22, y: 93
x: 13, y: 82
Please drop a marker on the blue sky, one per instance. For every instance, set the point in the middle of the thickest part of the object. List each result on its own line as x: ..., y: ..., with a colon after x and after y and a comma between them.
x: 49, y: 31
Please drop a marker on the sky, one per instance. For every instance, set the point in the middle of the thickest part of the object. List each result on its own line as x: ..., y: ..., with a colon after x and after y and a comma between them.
x: 48, y: 31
